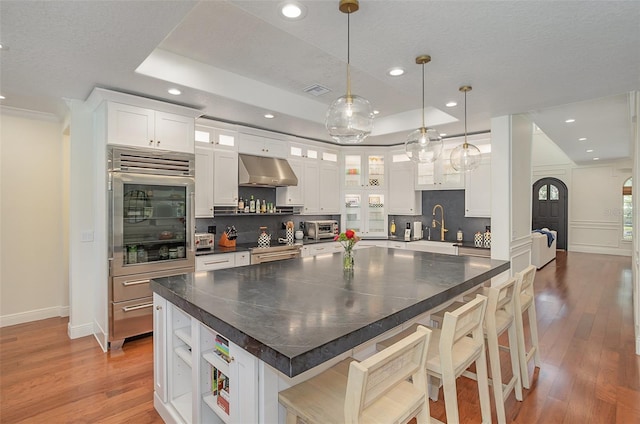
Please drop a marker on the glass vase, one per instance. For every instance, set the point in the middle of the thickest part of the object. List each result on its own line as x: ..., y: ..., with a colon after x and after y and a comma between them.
x: 347, y: 260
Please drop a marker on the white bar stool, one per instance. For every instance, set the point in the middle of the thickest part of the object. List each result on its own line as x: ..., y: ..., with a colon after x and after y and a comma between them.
x: 453, y: 349
x: 499, y: 318
x: 375, y: 390
x: 525, y: 302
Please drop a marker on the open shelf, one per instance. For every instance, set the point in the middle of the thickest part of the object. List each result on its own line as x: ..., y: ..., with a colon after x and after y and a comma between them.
x: 184, y: 353
x: 184, y: 406
x: 184, y: 334
x: 212, y: 402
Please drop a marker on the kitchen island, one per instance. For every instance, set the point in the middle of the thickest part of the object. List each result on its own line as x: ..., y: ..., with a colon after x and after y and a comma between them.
x: 284, y: 320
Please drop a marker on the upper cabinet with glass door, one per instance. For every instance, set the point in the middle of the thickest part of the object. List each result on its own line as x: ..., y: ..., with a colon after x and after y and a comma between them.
x: 440, y: 175
x: 364, y: 171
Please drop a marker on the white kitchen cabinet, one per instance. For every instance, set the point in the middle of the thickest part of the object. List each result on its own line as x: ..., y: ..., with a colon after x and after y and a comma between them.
x: 225, y: 139
x: 365, y: 213
x: 311, y: 184
x: 204, y: 181
x: 242, y: 258
x: 433, y: 247
x: 225, y: 178
x: 193, y: 368
x: 329, y: 247
x: 364, y: 170
x: 135, y: 126
x: 215, y: 261
x: 293, y: 195
x: 328, y: 188
x: 439, y: 175
x: 262, y: 146
x: 477, y: 193
x: 404, y: 199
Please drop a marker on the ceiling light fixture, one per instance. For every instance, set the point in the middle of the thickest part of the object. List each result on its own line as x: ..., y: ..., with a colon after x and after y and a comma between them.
x: 292, y: 10
x: 350, y: 118
x: 376, y: 112
x: 589, y: 150
x: 570, y: 121
x: 596, y: 158
x: 395, y: 72
x: 582, y: 139
x: 269, y: 115
x: 2, y: 97
x: 423, y: 145
x: 174, y: 91
x: 466, y: 157
x: 451, y: 104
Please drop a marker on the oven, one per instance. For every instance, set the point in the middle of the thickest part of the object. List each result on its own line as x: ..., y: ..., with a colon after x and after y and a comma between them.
x: 274, y: 253
x: 151, y: 221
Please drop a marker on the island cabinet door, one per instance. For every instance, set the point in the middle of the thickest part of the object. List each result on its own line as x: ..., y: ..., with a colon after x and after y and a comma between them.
x: 159, y: 347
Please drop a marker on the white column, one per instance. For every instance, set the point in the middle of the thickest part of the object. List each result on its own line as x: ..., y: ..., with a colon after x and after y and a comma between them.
x: 511, y: 190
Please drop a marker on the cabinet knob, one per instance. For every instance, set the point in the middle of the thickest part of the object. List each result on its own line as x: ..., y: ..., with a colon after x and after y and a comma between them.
x: 150, y: 142
x: 158, y: 142
x: 159, y: 308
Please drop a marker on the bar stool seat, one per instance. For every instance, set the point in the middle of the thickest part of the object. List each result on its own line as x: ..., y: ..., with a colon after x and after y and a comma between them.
x: 452, y: 350
x: 375, y: 390
x: 498, y: 319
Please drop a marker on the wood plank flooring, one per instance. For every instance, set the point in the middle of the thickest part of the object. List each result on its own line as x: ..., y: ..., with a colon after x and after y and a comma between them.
x: 589, y: 373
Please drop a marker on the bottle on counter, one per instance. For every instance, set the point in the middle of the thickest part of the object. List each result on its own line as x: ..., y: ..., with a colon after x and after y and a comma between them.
x: 252, y: 205
x: 459, y: 235
x: 263, y: 206
x: 393, y: 228
x: 258, y: 206
x: 241, y: 205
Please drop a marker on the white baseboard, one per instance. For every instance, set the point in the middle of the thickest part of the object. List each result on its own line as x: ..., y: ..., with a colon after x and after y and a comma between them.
x: 34, y: 315
x: 101, y: 336
x: 638, y: 345
x: 599, y: 250
x: 78, y: 331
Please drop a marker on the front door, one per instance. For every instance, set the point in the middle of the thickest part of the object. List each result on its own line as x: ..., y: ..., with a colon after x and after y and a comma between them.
x: 550, y: 208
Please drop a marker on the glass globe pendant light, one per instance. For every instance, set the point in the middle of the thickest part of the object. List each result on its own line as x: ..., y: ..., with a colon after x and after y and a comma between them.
x: 466, y: 157
x: 350, y: 118
x: 423, y: 145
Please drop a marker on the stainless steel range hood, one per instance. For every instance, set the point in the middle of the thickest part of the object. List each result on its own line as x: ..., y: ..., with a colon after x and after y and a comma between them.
x: 265, y: 172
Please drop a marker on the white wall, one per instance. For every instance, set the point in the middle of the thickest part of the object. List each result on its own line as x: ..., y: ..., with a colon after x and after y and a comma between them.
x: 595, y: 197
x: 33, y: 217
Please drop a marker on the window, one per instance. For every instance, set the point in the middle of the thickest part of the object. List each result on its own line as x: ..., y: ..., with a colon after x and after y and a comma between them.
x: 548, y: 192
x: 627, y: 210
x: 542, y: 193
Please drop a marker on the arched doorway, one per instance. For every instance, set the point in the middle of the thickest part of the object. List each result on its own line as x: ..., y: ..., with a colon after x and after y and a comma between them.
x: 550, y: 208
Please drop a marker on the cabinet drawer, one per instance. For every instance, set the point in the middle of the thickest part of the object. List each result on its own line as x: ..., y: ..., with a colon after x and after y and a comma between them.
x: 131, y: 318
x: 130, y: 287
x: 219, y: 261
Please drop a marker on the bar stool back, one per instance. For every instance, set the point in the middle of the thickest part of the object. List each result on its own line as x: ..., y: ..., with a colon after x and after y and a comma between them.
x: 525, y: 302
x: 375, y: 390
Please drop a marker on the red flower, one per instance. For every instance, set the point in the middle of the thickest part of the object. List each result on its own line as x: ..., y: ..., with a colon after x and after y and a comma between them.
x: 350, y: 234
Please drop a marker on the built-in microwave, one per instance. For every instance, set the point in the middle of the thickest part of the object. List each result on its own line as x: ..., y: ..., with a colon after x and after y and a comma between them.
x: 317, y: 230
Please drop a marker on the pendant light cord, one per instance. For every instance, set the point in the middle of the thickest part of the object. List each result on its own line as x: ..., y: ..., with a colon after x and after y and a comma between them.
x: 466, y: 145
x: 423, y: 96
x: 348, y: 56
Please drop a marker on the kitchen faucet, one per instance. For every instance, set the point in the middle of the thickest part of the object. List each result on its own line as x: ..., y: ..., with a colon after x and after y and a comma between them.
x: 434, y: 222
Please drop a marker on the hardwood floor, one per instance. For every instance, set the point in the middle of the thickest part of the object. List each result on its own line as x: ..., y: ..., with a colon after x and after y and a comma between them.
x: 589, y: 374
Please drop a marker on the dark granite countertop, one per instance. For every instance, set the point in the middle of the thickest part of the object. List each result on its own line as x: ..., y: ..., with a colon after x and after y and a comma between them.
x: 298, y: 313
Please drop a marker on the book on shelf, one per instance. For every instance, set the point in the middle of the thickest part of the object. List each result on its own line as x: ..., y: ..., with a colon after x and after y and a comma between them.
x: 214, y: 380
x: 223, y: 401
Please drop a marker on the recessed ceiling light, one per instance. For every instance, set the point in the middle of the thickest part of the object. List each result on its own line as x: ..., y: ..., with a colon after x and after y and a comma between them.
x: 395, y: 72
x: 582, y: 139
x: 376, y: 112
x: 451, y: 104
x: 2, y: 97
x: 589, y: 150
x: 443, y: 134
x: 174, y: 91
x: 570, y: 120
x: 596, y: 158
x: 269, y: 115
x: 292, y: 10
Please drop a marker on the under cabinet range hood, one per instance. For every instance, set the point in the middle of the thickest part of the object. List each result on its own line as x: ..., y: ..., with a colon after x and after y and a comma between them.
x: 259, y: 171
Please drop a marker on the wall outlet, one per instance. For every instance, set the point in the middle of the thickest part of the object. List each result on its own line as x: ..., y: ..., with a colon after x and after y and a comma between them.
x: 211, y: 229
